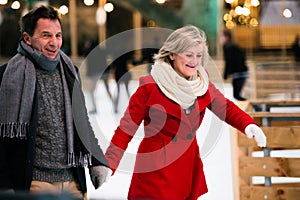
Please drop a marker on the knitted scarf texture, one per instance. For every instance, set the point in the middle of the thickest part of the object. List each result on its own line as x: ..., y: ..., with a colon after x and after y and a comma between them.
x: 176, y: 87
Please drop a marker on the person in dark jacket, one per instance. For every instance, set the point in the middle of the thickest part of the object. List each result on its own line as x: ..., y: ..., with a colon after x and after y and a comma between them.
x: 46, y: 138
x: 296, y: 48
x: 235, y: 64
x: 96, y: 69
x: 122, y: 75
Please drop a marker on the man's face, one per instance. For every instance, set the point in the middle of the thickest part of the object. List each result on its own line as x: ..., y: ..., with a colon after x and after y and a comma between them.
x: 47, y: 37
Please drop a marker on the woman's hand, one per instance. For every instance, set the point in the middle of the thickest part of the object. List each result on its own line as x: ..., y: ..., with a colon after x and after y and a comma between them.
x: 253, y: 130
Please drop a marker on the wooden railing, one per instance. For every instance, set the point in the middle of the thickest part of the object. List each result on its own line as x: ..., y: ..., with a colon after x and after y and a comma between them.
x: 278, y: 79
x: 280, y: 121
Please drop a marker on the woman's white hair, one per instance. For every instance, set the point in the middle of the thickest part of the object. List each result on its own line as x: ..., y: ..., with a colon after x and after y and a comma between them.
x: 181, y: 40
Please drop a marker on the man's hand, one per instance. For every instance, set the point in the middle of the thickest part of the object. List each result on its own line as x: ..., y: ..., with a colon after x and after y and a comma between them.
x: 99, y: 175
x: 253, y: 130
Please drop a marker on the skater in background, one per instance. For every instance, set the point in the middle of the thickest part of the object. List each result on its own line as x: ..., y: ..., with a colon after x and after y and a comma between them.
x: 96, y: 69
x: 296, y: 48
x: 122, y: 75
x: 235, y: 64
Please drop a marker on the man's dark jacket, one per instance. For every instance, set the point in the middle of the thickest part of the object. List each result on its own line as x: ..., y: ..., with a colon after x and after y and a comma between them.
x: 16, y: 155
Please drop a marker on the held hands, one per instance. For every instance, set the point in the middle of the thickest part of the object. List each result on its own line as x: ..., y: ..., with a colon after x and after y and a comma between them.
x: 253, y: 130
x: 99, y: 175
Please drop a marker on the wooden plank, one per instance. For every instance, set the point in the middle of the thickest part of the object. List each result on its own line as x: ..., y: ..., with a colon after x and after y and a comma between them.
x: 283, y: 123
x: 271, y: 72
x: 272, y: 193
x: 269, y: 167
x: 272, y: 82
x: 291, y: 184
x: 277, y: 137
x: 269, y: 103
x: 267, y: 91
x: 273, y: 114
x: 275, y: 102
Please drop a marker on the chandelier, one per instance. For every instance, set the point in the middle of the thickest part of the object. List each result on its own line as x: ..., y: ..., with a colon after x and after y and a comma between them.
x: 241, y: 12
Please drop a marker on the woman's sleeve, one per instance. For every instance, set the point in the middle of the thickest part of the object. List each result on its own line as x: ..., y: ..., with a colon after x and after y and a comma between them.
x: 129, y: 123
x: 227, y: 111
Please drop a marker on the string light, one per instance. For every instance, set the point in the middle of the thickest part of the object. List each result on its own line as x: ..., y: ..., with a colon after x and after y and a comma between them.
x: 63, y: 10
x: 88, y: 2
x: 160, y: 1
x: 15, y: 5
x: 241, y: 13
x: 108, y: 7
x: 287, y: 13
x: 3, y: 2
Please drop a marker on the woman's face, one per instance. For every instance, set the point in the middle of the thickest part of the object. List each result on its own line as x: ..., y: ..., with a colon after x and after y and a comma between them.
x: 186, y: 63
x: 47, y: 37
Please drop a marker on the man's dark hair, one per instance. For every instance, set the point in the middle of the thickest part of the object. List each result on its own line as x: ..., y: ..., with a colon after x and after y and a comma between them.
x: 228, y: 35
x: 29, y: 21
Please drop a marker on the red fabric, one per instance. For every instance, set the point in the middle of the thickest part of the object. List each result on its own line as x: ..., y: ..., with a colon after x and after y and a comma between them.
x: 168, y: 167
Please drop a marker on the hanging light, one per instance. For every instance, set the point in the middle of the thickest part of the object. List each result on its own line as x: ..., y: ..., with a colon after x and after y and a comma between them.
x: 241, y: 13
x: 255, y: 3
x: 287, y: 13
x: 15, y: 5
x: 63, y: 10
x: 229, y: 1
x: 160, y: 1
x: 246, y: 11
x: 3, y: 2
x: 238, y: 10
x: 253, y: 22
x: 108, y: 7
x: 88, y: 2
x: 230, y: 24
x: 227, y: 17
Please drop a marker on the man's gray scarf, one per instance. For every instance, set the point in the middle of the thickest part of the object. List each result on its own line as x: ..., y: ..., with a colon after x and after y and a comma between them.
x: 17, y: 93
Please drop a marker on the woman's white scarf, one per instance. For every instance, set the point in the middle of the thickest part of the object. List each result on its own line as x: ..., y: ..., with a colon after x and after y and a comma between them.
x: 176, y: 87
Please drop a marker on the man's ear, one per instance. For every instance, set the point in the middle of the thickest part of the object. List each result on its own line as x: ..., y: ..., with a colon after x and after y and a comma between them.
x: 26, y: 38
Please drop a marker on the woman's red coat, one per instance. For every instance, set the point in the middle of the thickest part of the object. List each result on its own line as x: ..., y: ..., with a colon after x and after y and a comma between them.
x: 168, y: 163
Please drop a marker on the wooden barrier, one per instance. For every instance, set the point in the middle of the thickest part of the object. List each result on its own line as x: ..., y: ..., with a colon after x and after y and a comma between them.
x: 282, y: 130
x: 269, y: 80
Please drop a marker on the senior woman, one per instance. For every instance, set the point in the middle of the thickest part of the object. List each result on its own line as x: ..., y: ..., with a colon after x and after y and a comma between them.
x: 171, y: 103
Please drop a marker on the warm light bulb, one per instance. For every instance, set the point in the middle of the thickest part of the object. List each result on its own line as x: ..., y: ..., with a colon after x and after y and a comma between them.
x: 239, y: 10
x: 229, y: 1
x: 230, y: 24
x: 287, y: 13
x: 3, y: 2
x: 108, y: 7
x: 160, y: 1
x: 88, y: 2
x: 254, y: 22
x: 246, y: 11
x: 255, y: 3
x: 15, y: 5
x: 63, y: 10
x: 227, y: 17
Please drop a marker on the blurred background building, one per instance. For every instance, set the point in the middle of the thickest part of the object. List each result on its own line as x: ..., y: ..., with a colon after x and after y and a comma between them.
x: 259, y: 26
